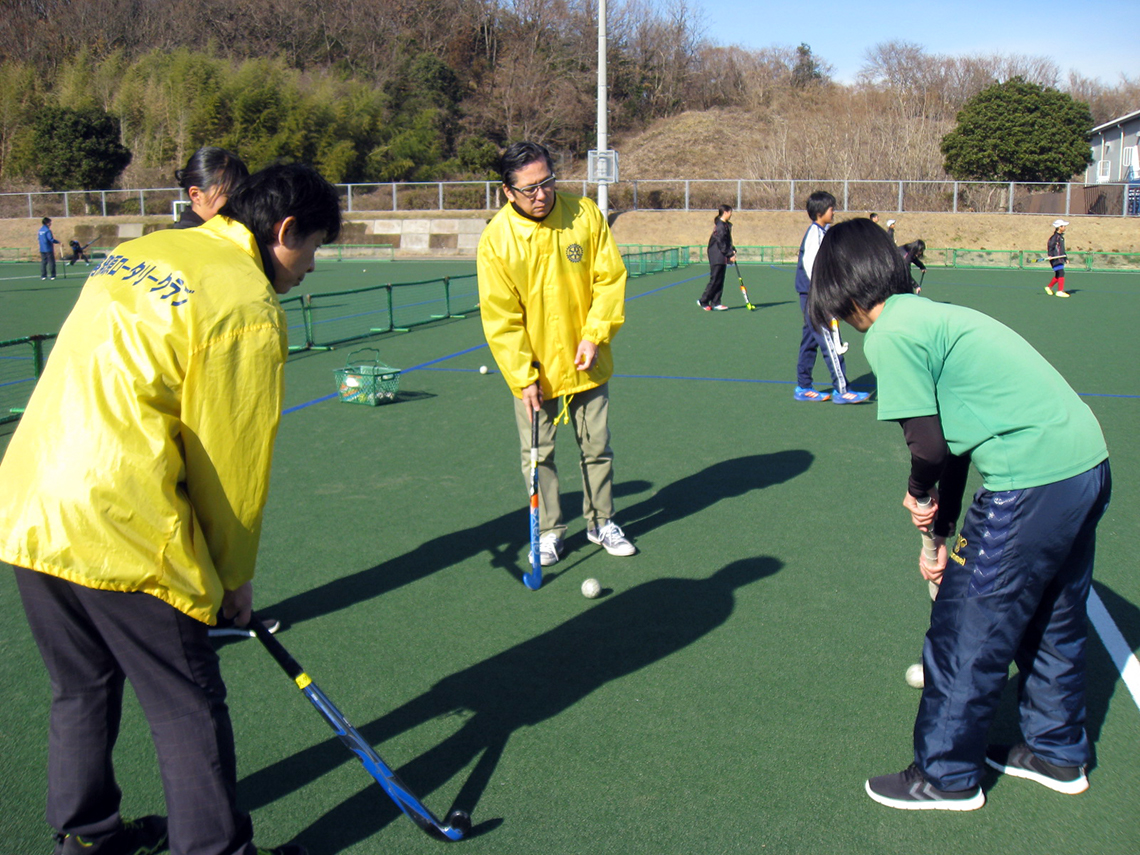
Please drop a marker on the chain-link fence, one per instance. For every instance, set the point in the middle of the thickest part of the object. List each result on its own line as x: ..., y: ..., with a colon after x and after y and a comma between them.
x: 667, y: 194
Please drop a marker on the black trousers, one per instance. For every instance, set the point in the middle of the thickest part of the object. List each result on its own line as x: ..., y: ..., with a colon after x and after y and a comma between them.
x: 715, y: 288
x: 91, y: 642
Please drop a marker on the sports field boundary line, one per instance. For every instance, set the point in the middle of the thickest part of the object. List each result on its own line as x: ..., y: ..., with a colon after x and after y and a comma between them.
x: 1116, y: 645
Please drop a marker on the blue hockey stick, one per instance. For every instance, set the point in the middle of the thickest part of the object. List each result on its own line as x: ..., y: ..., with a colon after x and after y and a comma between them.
x: 533, y: 579
x: 458, y: 822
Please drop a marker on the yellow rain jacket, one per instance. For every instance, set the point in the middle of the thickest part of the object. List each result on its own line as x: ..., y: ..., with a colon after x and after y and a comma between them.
x: 142, y: 461
x: 546, y: 286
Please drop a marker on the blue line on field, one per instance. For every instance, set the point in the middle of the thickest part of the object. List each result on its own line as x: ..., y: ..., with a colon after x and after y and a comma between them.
x: 428, y: 366
x: 664, y: 287
x: 423, y: 365
x: 420, y: 367
x: 706, y: 379
x: 294, y: 409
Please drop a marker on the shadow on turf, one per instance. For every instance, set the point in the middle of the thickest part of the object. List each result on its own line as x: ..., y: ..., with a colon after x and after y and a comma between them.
x: 505, y: 536
x: 727, y: 479
x: 520, y: 687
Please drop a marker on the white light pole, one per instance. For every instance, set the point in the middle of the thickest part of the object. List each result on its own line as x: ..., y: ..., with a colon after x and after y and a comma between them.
x: 603, y: 101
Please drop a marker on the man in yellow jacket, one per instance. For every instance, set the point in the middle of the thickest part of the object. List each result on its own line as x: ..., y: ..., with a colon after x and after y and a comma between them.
x: 552, y: 293
x: 131, y: 500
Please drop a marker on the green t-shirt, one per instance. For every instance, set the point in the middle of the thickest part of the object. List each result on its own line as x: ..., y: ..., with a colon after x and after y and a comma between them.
x: 999, y: 401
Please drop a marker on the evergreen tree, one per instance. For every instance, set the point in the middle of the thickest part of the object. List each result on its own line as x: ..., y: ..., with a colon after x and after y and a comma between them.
x: 78, y: 149
x: 807, y: 69
x: 1019, y: 131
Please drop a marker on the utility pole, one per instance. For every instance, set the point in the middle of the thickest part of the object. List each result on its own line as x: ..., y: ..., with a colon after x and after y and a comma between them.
x: 603, y: 104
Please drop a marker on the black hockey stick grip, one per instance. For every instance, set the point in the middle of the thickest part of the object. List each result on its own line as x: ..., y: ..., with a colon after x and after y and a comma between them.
x: 288, y: 664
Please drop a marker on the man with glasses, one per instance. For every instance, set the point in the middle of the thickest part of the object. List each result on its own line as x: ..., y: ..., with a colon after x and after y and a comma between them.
x: 551, y: 292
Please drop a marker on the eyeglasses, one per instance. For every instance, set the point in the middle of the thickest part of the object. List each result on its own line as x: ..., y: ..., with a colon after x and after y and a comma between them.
x: 532, y: 191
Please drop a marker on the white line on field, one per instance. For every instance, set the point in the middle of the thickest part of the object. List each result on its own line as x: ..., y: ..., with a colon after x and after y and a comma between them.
x: 1118, y: 649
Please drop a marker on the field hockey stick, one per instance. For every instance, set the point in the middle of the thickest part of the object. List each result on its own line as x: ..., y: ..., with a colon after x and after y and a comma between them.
x: 915, y: 674
x: 533, y: 579
x: 840, y: 345
x: 921, y: 276
x: 929, y: 550
x: 458, y: 822
x: 232, y: 632
x: 747, y: 303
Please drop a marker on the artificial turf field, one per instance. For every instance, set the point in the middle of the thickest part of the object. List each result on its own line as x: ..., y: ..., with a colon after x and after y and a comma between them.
x: 738, y: 680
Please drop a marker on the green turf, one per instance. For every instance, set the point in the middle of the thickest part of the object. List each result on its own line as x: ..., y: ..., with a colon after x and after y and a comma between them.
x: 739, y: 679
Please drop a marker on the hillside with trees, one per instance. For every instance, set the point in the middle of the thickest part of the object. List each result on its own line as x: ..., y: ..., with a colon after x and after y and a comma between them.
x: 383, y: 90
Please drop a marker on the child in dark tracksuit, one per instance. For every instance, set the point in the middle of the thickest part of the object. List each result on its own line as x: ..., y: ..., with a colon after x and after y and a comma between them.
x: 1014, y: 583
x: 721, y: 253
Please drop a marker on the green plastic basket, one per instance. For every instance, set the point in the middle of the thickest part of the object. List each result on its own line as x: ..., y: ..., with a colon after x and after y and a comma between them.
x: 367, y: 381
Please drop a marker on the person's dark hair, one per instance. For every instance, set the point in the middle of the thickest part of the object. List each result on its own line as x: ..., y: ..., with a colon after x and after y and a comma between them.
x: 522, y: 154
x: 857, y: 265
x: 211, y: 167
x: 45, y: 221
x: 818, y: 203
x: 874, y: 218
x: 721, y: 211
x: 287, y: 190
x: 915, y: 248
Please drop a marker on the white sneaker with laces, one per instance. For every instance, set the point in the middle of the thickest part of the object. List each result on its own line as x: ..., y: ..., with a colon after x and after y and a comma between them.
x: 612, y: 539
x: 550, y: 549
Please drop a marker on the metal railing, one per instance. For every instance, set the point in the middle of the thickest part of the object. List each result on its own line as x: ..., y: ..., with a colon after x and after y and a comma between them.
x: 21, y: 364
x: 977, y: 259
x: 667, y: 194
x: 322, y: 321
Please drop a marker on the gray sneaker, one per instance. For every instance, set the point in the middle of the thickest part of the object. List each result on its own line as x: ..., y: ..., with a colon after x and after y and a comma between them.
x: 1020, y: 761
x: 909, y: 790
x: 611, y: 538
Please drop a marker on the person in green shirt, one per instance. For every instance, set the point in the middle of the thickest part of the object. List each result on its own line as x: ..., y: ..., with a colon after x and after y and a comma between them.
x: 1014, y: 584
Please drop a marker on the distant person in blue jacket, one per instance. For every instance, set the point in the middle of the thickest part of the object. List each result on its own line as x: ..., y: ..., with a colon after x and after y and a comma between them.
x: 47, y: 249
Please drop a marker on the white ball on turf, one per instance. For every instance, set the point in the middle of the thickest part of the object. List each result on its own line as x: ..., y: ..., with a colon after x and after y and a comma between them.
x: 914, y: 676
x: 591, y: 588
x: 482, y: 369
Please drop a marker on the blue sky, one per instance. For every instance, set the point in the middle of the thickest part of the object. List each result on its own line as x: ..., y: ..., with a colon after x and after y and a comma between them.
x: 1097, y: 40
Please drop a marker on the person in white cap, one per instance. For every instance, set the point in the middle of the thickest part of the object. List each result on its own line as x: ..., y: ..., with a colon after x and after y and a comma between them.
x: 891, y: 230
x: 1055, y: 255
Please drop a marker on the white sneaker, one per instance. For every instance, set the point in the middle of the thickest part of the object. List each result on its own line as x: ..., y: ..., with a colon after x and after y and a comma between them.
x: 550, y: 549
x: 612, y: 538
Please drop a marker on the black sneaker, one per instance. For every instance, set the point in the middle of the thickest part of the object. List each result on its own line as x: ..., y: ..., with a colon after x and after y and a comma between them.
x: 1019, y: 761
x: 143, y: 836
x: 909, y: 790
x: 287, y: 849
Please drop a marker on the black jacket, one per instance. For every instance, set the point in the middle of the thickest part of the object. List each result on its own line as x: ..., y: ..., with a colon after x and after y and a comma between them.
x: 720, y: 244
